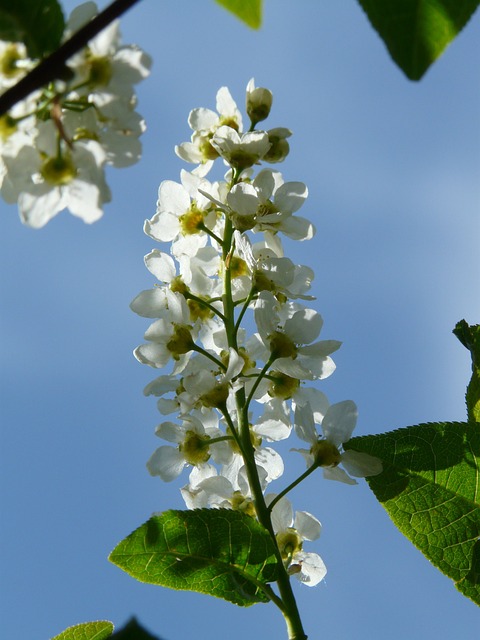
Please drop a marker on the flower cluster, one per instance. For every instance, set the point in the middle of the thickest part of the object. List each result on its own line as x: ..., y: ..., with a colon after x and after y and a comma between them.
x: 236, y: 393
x: 55, y: 145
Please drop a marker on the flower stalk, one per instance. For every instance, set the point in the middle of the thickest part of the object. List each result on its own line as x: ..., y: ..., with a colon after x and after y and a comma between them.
x: 236, y: 393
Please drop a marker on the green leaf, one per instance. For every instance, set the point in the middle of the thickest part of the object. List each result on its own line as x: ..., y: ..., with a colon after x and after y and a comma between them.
x: 98, y: 630
x: 430, y: 487
x: 219, y: 552
x: 469, y: 336
x: 133, y: 631
x: 417, y: 31
x: 250, y: 11
x: 37, y: 23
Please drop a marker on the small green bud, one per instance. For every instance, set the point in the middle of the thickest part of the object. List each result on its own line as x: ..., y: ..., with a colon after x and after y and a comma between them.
x: 259, y: 102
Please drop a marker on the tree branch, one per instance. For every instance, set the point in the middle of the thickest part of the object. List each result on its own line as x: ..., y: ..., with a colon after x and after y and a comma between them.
x: 53, y: 65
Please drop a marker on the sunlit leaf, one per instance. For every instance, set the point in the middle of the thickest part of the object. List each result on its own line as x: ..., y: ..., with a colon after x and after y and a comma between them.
x: 416, y: 32
x: 98, y: 630
x: 39, y: 24
x: 219, y: 552
x: 250, y: 11
x: 430, y: 486
x: 469, y: 336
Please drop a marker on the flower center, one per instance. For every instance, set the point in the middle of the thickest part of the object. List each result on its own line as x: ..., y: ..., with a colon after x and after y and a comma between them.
x: 281, y: 346
x: 100, y: 71
x: 181, y: 341
x: 58, y: 171
x: 289, y: 543
x: 9, y: 61
x: 8, y: 125
x: 191, y: 221
x: 194, y: 448
x: 325, y: 454
x: 283, y: 386
x: 240, y: 503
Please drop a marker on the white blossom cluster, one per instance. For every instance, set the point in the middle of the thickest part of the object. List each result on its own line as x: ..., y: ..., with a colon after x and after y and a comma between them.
x: 231, y: 394
x: 55, y: 145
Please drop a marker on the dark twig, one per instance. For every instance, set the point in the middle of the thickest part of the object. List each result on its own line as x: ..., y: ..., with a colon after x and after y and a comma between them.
x: 53, y: 66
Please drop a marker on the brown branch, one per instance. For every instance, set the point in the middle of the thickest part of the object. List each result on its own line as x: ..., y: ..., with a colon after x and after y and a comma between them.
x: 54, y: 65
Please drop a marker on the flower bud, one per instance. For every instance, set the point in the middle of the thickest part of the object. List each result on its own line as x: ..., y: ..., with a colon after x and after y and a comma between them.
x: 259, y: 102
x: 279, y: 147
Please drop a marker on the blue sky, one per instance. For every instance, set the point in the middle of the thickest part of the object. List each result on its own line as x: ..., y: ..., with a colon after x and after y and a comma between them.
x: 393, y: 170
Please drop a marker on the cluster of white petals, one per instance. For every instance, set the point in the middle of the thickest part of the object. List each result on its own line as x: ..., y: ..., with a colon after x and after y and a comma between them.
x: 236, y: 392
x: 55, y: 145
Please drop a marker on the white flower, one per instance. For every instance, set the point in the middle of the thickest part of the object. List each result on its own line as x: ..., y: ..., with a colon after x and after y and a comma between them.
x: 259, y: 102
x: 204, y: 123
x: 291, y: 532
x: 117, y: 129
x: 182, y: 210
x: 240, y: 152
x: 279, y: 147
x: 46, y: 181
x: 270, y: 272
x: 14, y: 63
x: 192, y: 438
x: 170, y: 336
x: 269, y: 204
x: 54, y: 159
x: 225, y: 490
x: 209, y: 387
x: 288, y: 332
x: 105, y: 65
x: 337, y: 424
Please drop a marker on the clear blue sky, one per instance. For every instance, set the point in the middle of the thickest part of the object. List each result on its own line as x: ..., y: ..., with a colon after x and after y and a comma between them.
x: 393, y: 170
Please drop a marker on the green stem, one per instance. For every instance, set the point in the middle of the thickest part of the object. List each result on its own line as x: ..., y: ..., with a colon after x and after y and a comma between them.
x: 292, y: 486
x: 289, y: 610
x: 286, y: 602
x: 211, y: 233
x: 205, y: 303
x: 260, y: 377
x: 208, y: 355
x: 244, y: 309
x: 232, y: 427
